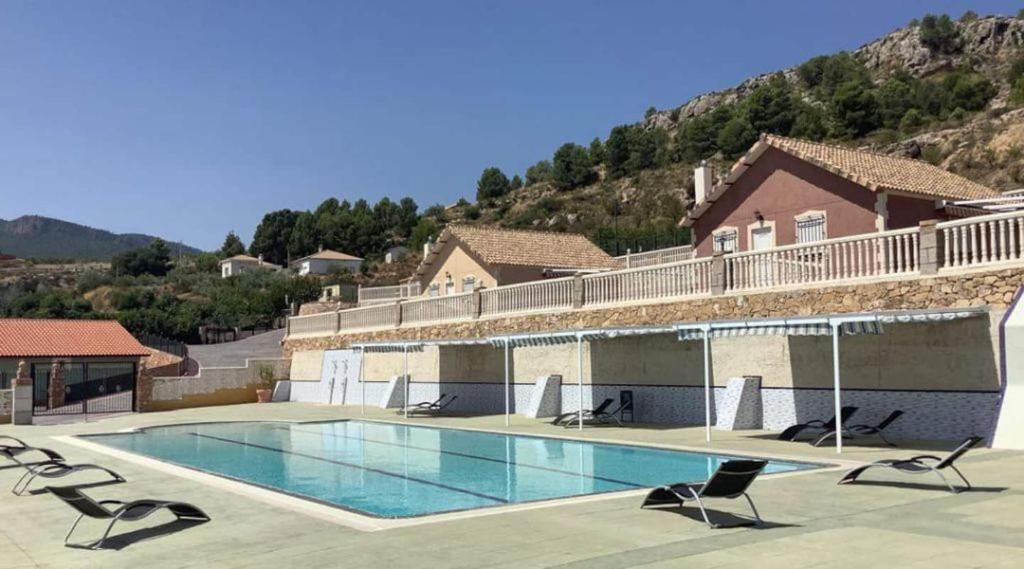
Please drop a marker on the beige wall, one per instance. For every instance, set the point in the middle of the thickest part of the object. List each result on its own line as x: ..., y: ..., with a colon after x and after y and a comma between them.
x: 471, y: 364
x: 455, y: 261
x: 382, y: 366
x: 307, y: 366
x: 956, y: 355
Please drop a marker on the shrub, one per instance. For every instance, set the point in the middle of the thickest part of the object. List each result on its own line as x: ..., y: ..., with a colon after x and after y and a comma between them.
x: 539, y: 172
x: 939, y: 33
x: 492, y: 184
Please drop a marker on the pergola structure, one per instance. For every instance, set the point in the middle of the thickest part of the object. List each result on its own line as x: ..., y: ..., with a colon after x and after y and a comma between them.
x: 835, y: 325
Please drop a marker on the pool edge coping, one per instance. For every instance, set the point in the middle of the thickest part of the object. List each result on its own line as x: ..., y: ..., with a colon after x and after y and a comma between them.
x: 353, y: 519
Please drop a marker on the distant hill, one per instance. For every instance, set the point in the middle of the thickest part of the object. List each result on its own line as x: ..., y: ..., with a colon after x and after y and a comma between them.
x: 45, y: 237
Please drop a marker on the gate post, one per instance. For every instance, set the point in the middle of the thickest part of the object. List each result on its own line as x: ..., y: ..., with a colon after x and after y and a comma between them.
x: 55, y: 391
x: 21, y: 414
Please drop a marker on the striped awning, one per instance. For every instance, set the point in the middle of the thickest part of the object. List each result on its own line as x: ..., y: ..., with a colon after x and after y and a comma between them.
x: 848, y: 324
x: 776, y: 328
x: 571, y: 337
x: 390, y: 347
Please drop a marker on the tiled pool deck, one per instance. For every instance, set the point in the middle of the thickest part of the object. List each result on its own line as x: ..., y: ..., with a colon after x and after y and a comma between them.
x: 899, y: 521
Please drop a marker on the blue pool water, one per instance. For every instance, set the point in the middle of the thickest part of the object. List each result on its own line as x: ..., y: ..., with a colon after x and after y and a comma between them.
x: 392, y: 471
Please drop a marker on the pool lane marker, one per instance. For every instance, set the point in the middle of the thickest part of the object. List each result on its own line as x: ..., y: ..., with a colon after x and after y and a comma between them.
x: 355, y: 466
x: 467, y: 455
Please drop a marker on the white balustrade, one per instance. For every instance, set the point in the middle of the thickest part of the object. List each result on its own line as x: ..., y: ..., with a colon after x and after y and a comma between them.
x: 872, y: 255
x: 982, y: 240
x: 367, y: 317
x: 527, y: 297
x: 383, y: 294
x: 656, y: 257
x: 313, y: 324
x: 688, y: 278
x: 439, y: 309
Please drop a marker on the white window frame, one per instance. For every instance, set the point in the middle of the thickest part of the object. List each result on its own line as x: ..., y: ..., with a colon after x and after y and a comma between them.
x: 471, y: 281
x: 434, y: 290
x: 762, y: 225
x: 721, y: 231
x: 809, y: 216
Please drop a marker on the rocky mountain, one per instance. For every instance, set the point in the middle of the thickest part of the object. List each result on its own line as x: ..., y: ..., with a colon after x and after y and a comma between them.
x: 963, y: 82
x: 45, y: 237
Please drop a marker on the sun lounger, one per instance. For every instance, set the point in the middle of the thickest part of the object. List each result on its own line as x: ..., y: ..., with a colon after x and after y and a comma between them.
x: 425, y: 404
x: 15, y: 452
x: 730, y: 481
x: 572, y: 415
x: 923, y: 464
x: 56, y: 469
x: 599, y: 417
x: 433, y: 410
x: 855, y: 431
x: 125, y: 511
x: 791, y: 433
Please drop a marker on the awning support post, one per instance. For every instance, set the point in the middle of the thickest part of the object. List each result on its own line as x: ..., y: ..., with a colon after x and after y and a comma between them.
x: 707, y: 384
x: 506, y: 383
x: 579, y: 376
x: 405, y: 378
x: 835, y: 379
x: 362, y: 381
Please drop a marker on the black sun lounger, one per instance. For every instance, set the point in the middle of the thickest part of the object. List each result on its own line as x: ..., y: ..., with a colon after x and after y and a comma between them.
x: 14, y: 452
x: 125, y: 511
x: 599, y: 417
x: 855, y: 431
x: 425, y: 404
x: 56, y: 469
x: 587, y: 413
x: 791, y: 433
x: 923, y: 464
x: 434, y: 410
x: 730, y: 481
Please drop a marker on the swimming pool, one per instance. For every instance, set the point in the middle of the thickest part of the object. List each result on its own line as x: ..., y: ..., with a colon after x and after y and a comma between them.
x: 396, y: 471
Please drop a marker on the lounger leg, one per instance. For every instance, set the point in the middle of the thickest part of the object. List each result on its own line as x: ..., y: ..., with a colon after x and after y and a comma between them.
x: 110, y: 526
x: 824, y: 437
x: 703, y: 512
x: 962, y: 477
x: 881, y: 435
x: 72, y: 530
x: 952, y: 488
x: 757, y: 516
x: 30, y: 474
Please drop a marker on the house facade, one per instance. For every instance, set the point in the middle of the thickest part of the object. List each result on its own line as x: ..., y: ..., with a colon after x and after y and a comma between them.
x: 465, y: 258
x: 325, y: 261
x: 71, y: 361
x: 234, y: 266
x: 786, y: 191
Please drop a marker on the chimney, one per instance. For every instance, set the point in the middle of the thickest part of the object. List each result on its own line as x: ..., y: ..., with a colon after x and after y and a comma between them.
x: 260, y: 258
x: 703, y: 180
x: 426, y: 248
x: 321, y: 249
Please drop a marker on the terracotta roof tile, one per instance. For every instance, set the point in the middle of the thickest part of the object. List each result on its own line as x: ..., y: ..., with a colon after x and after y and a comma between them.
x: 526, y: 248
x: 23, y: 337
x: 882, y: 172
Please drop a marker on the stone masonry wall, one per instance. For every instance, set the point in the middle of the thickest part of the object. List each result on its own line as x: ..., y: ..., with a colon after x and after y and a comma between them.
x: 988, y: 288
x: 6, y: 405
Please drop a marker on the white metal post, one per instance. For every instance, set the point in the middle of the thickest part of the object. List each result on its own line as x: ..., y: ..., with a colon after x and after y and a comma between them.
x: 405, y: 348
x: 707, y: 384
x: 506, y: 384
x: 579, y: 377
x: 362, y: 380
x: 835, y: 378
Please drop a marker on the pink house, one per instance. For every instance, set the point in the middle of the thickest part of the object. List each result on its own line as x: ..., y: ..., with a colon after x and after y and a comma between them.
x: 785, y: 191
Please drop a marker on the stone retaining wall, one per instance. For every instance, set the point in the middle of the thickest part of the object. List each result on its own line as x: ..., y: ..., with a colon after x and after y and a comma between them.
x: 991, y: 288
x: 212, y: 386
x: 6, y: 405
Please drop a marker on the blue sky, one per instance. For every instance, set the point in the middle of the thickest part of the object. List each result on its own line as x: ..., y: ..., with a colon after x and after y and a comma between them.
x: 187, y: 119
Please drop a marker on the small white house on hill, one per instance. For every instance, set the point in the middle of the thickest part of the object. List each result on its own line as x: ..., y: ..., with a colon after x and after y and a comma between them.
x: 324, y: 261
x: 239, y: 264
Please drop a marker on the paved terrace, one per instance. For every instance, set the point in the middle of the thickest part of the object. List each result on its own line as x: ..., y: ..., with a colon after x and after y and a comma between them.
x: 811, y: 522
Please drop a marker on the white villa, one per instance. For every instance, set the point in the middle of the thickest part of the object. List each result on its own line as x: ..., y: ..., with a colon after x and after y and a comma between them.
x: 325, y: 260
x: 233, y: 266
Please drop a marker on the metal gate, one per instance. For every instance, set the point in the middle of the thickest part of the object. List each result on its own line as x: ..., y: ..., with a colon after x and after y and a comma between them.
x: 100, y: 387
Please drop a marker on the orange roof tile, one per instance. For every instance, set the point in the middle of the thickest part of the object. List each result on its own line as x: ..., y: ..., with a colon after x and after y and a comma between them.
x: 43, y: 338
